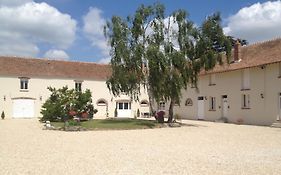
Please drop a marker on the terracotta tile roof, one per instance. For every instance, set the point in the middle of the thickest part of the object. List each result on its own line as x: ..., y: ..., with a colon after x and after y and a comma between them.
x: 252, y: 56
x: 30, y: 67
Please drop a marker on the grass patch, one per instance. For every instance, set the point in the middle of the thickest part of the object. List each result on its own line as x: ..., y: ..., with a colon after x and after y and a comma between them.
x: 115, y: 124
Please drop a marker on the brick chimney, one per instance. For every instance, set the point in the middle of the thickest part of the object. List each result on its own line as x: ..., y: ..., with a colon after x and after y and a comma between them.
x: 237, y: 50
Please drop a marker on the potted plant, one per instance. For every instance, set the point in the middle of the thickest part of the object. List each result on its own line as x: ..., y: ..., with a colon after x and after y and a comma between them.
x: 160, y: 116
x: 3, y: 115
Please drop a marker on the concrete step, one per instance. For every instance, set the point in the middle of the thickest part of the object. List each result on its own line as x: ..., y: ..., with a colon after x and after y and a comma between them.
x: 276, y: 125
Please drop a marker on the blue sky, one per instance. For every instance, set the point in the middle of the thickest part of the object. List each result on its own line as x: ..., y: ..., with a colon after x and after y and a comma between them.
x: 71, y: 29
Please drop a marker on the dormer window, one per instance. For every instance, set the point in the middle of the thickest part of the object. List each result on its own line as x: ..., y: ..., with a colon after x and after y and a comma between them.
x: 24, y: 83
x: 78, y: 86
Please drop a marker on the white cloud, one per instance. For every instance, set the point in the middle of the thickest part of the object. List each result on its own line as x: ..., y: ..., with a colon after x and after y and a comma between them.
x: 13, y: 2
x: 15, y: 45
x: 27, y: 24
x: 104, y: 60
x: 258, y: 22
x: 93, y: 29
x: 56, y: 54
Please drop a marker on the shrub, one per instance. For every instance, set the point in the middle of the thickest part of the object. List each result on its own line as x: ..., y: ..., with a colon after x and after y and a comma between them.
x: 64, y: 104
x: 160, y: 116
x: 73, y: 123
x: 3, y: 115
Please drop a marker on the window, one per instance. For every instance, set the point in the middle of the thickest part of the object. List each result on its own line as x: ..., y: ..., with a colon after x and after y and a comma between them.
x: 188, y: 102
x: 101, y: 102
x: 78, y: 86
x: 144, y: 103
x: 124, y: 105
x: 245, y: 79
x: 161, y: 106
x: 24, y: 83
x: 120, y: 105
x: 245, y: 101
x: 212, y: 79
x: 212, y: 103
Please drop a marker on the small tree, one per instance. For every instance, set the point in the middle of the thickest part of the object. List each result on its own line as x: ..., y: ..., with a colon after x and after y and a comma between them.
x: 3, y: 115
x: 65, y: 103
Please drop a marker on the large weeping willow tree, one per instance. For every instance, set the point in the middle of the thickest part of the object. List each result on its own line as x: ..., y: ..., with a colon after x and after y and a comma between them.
x: 162, y: 53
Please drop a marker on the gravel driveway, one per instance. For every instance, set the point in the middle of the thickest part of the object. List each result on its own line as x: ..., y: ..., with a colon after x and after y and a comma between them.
x: 201, y: 148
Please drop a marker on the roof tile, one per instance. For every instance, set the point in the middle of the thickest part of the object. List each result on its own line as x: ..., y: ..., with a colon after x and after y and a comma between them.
x: 30, y: 67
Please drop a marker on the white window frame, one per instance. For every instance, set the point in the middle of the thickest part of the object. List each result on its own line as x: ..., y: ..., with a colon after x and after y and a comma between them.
x: 144, y: 103
x: 212, y: 103
x: 122, y: 105
x: 188, y: 102
x: 101, y: 102
x: 245, y: 101
x: 24, y: 83
x: 78, y: 85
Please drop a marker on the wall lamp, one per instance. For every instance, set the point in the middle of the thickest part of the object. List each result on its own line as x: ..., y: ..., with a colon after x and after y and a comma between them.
x: 4, y: 97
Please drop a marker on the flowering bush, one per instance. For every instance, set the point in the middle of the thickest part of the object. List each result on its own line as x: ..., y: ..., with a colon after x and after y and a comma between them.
x: 63, y: 104
x: 84, y: 115
x: 72, y: 113
x: 160, y: 116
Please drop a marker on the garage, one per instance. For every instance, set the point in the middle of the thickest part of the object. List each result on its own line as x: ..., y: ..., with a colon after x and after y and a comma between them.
x: 23, y: 108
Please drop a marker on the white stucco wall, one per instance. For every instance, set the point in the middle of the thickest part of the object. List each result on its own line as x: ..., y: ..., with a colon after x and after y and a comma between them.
x: 10, y: 89
x: 263, y: 111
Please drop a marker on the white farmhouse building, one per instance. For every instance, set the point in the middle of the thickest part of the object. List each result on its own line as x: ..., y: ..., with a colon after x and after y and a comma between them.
x: 24, y: 83
x: 246, y: 91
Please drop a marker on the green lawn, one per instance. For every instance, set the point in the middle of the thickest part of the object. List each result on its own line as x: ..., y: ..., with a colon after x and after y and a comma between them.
x: 112, y: 124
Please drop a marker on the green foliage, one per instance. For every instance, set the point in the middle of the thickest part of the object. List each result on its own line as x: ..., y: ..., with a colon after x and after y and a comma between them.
x: 113, y: 124
x: 172, y: 56
x: 3, y: 115
x: 73, y: 123
x: 64, y: 101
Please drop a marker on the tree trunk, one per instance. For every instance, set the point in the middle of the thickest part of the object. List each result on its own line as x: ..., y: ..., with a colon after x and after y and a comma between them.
x: 150, y: 98
x: 171, y: 111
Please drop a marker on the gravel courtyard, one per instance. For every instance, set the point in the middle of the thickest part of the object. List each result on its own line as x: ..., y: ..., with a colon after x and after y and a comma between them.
x: 201, y: 148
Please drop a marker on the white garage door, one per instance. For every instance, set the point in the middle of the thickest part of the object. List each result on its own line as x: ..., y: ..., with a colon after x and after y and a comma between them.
x: 23, y: 108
